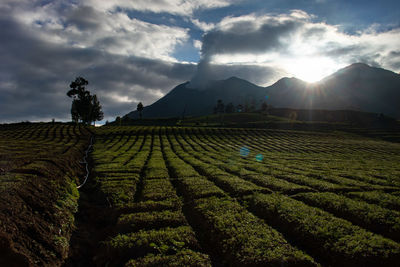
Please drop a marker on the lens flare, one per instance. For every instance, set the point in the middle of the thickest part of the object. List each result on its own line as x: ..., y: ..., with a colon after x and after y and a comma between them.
x: 244, y: 152
x: 259, y: 157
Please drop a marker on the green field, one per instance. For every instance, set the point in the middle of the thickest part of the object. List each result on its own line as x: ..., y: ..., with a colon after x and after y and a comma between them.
x: 249, y: 197
x: 193, y: 196
x: 39, y: 170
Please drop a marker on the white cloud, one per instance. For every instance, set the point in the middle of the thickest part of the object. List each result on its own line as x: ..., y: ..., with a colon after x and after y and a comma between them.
x: 197, y: 44
x: 204, y: 26
x: 294, y: 41
x: 178, y: 7
x: 111, y: 32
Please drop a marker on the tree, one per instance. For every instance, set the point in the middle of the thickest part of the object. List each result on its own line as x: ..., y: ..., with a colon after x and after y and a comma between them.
x: 96, y: 112
x: 74, y: 111
x: 85, y: 107
x: 139, y: 108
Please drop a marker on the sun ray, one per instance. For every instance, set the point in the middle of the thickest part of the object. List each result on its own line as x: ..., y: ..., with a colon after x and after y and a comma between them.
x: 311, y: 69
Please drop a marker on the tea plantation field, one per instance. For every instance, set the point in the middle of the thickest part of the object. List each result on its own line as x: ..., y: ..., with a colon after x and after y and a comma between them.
x: 247, y: 197
x: 39, y: 166
x: 195, y: 196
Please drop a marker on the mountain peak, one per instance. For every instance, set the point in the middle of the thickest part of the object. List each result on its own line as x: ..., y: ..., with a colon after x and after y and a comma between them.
x: 358, y: 65
x: 234, y: 78
x: 293, y: 81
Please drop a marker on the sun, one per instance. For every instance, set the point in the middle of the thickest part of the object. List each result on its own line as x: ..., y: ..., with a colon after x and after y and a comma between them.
x: 311, y: 69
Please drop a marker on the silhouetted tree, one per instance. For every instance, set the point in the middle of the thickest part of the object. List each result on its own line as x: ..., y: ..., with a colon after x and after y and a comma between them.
x: 139, y: 108
x: 96, y: 112
x: 229, y: 108
x: 78, y: 89
x: 74, y: 111
x: 85, y: 107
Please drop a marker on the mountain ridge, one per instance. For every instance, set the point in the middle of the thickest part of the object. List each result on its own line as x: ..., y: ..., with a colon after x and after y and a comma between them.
x: 356, y: 87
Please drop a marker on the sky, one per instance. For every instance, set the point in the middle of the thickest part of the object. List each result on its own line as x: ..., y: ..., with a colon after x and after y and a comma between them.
x: 137, y: 51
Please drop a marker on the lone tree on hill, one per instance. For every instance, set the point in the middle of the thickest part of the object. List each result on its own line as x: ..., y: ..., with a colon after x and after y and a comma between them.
x: 139, y: 108
x: 85, y: 107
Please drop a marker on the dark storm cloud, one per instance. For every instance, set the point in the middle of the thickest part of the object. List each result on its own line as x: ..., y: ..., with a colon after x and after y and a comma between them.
x: 253, y: 36
x: 35, y: 75
x: 247, y: 37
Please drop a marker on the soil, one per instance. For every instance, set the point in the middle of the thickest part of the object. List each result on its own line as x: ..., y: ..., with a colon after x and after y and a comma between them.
x: 36, y: 214
x: 94, y: 223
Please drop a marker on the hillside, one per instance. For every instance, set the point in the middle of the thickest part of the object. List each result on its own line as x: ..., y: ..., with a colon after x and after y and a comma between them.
x: 184, y: 100
x: 356, y: 87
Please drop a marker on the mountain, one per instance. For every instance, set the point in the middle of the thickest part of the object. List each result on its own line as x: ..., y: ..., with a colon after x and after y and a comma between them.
x: 355, y: 87
x: 195, y: 102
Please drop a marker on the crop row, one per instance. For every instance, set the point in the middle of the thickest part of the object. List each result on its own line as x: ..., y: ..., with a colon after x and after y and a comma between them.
x: 231, y: 232
x: 39, y: 173
x: 234, y: 187
x: 275, y: 167
x: 331, y: 239
x: 189, y: 191
x: 152, y: 229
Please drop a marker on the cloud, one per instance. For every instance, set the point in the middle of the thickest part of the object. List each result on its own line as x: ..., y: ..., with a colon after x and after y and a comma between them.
x: 243, y: 36
x: 46, y: 44
x: 393, y: 59
x: 251, y: 34
x: 36, y: 71
x: 290, y: 40
x: 178, y: 7
x: 113, y: 32
x: 204, y: 26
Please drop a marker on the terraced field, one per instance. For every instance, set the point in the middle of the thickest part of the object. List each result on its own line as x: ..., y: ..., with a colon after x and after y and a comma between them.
x: 241, y: 197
